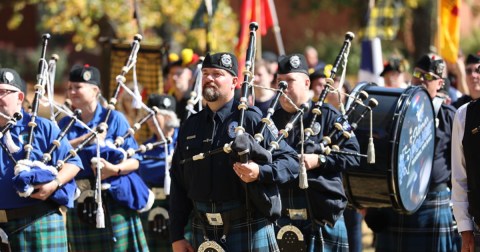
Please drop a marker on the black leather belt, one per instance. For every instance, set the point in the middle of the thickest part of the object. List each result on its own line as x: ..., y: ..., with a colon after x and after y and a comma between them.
x: 28, y: 211
x: 227, y: 216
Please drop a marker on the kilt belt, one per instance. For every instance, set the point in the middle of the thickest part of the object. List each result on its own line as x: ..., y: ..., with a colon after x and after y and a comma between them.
x: 223, y: 218
x: 28, y: 211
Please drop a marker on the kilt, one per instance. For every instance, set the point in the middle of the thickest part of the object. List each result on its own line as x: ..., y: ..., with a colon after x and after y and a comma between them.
x: 123, y: 231
x: 428, y: 229
x: 334, y: 238
x: 37, y: 233
x: 255, y: 235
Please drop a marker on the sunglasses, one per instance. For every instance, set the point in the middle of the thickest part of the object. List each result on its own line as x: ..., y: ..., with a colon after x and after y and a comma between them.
x: 426, y: 76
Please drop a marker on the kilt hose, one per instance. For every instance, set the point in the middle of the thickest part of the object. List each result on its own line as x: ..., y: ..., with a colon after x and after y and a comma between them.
x: 45, y: 232
x: 430, y: 228
x: 123, y: 231
x: 334, y: 238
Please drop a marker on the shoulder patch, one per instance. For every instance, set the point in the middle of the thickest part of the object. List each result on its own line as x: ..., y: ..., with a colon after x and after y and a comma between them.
x: 231, y: 129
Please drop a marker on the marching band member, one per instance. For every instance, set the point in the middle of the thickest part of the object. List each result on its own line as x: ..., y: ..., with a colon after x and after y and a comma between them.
x: 123, y: 230
x: 321, y: 212
x: 33, y: 223
x: 152, y: 170
x: 218, y: 190
x: 430, y: 228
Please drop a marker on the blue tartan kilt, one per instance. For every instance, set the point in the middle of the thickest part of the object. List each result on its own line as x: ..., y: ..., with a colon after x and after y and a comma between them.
x: 334, y: 238
x: 37, y: 233
x: 256, y: 235
x: 428, y: 229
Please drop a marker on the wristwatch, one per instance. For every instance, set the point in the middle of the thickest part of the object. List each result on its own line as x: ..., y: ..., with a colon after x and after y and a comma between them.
x: 321, y: 160
x: 60, y: 184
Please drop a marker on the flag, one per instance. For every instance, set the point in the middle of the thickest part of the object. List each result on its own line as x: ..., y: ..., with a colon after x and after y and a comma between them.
x: 384, y: 20
x: 252, y: 11
x: 198, y: 21
x: 449, y: 29
x: 371, y: 63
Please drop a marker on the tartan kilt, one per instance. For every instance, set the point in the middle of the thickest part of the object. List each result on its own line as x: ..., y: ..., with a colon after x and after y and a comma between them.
x: 334, y: 238
x: 160, y: 241
x: 123, y: 231
x: 256, y: 235
x: 37, y: 233
x: 428, y: 229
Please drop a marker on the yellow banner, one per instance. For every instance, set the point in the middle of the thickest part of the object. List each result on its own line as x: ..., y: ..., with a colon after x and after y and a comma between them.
x: 449, y: 29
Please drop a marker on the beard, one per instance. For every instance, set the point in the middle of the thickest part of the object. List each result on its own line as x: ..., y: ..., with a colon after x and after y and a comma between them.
x: 210, y: 94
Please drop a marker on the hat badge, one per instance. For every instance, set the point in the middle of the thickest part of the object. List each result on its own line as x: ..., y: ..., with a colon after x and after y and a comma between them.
x: 87, y: 75
x: 9, y: 77
x: 167, y: 103
x: 226, y: 61
x: 295, y: 61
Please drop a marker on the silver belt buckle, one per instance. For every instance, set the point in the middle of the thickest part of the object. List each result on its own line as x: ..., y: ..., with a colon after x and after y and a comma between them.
x: 159, y: 193
x: 214, y: 219
x: 297, y: 214
x: 3, y: 216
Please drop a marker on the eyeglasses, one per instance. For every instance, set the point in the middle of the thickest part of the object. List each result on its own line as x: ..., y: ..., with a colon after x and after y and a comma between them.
x: 426, y: 76
x: 4, y: 92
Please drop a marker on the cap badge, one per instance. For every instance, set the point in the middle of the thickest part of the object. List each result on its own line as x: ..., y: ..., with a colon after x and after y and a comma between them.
x: 87, y: 75
x: 167, y: 103
x: 295, y: 61
x: 226, y: 61
x: 9, y: 77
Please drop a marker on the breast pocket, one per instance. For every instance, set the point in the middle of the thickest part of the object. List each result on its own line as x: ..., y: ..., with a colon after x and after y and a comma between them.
x: 192, y: 161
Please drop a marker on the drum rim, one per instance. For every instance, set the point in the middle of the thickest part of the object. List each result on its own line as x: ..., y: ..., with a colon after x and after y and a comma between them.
x: 393, y: 174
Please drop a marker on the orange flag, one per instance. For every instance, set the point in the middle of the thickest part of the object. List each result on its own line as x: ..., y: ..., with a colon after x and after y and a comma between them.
x: 449, y: 29
x: 251, y: 11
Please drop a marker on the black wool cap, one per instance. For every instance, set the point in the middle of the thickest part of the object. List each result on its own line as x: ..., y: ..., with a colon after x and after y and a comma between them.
x: 319, y: 73
x: 473, y: 59
x: 431, y: 63
x: 293, y: 63
x: 165, y: 102
x: 269, y: 56
x: 223, y: 60
x: 393, y: 64
x: 86, y: 73
x: 11, y: 77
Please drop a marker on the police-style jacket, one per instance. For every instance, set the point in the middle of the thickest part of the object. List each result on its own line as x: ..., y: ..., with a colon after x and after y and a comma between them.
x: 441, y: 168
x: 213, y: 178
x: 326, y: 193
x: 44, y: 134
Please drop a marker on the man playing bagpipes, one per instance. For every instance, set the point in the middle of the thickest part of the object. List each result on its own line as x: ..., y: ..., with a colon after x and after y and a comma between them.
x: 124, y: 198
x: 32, y: 190
x: 314, y: 212
x: 154, y: 169
x: 218, y: 189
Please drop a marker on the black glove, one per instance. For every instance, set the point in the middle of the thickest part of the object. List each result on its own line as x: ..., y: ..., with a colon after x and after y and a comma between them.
x: 256, y: 152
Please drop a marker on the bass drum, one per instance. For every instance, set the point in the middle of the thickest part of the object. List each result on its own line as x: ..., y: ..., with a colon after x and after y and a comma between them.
x: 404, y: 138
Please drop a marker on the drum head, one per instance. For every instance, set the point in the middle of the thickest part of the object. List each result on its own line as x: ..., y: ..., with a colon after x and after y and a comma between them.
x: 413, y: 149
x: 404, y: 138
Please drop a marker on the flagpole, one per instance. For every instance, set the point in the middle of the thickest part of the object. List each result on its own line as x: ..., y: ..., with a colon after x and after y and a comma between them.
x: 276, y: 28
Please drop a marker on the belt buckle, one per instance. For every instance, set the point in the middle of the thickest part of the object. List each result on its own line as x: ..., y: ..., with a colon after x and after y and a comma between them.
x: 297, y: 214
x: 3, y: 216
x: 214, y: 219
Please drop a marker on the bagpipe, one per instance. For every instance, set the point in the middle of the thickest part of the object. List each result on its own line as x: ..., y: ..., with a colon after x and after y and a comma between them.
x: 196, y: 93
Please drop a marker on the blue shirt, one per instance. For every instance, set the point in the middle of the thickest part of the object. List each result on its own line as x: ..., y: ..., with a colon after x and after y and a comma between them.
x: 117, y: 126
x: 44, y: 135
x: 152, y: 166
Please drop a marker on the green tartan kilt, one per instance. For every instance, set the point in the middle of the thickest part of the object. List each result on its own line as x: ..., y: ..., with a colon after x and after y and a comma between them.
x: 123, y: 231
x: 37, y: 233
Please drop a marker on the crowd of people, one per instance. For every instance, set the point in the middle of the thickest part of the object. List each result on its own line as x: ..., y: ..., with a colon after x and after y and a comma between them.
x: 230, y: 174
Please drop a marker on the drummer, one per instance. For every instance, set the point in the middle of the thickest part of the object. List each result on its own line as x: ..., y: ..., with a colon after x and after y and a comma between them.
x: 430, y: 228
